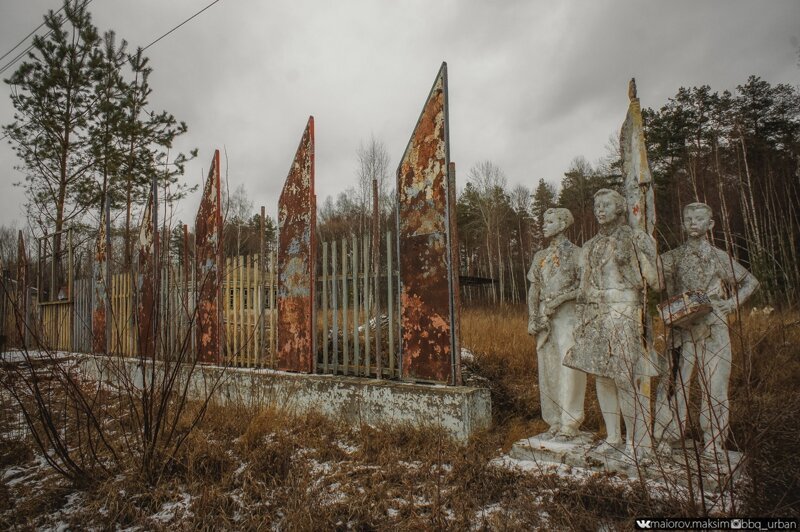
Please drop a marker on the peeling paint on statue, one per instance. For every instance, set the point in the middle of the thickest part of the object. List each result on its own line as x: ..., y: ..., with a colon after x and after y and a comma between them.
x: 297, y: 260
x: 555, y: 278
x: 618, y: 263
x: 703, y: 340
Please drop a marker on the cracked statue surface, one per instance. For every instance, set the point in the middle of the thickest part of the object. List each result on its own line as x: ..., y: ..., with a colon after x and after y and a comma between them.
x: 619, y: 262
x: 703, y: 342
x: 555, y: 276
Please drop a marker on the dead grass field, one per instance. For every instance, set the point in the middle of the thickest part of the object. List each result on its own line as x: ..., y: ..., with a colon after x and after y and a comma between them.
x: 260, y: 469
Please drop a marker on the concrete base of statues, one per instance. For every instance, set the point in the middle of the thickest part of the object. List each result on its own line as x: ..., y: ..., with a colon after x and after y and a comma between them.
x: 676, y: 465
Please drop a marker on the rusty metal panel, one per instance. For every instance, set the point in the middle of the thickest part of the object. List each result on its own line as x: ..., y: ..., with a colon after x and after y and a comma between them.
x: 297, y: 221
x: 146, y: 283
x: 424, y: 245
x: 455, y: 261
x: 208, y: 257
x: 100, y: 322
x: 22, y: 291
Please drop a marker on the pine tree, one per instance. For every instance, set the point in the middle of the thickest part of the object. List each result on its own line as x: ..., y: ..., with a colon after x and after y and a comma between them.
x: 53, y: 97
x: 544, y: 197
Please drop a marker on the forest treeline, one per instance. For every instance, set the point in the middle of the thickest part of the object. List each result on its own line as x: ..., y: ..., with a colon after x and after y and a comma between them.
x: 736, y: 151
x: 86, y: 135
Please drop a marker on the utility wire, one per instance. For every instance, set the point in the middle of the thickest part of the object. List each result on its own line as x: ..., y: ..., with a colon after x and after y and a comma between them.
x: 26, y: 37
x: 86, y: 3
x: 29, y: 48
x: 179, y: 25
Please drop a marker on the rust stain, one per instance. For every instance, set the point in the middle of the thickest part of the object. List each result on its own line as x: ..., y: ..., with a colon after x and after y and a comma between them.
x: 145, y: 282
x: 455, y: 260
x: 99, y: 320
x: 297, y: 223
x: 208, y: 273
x: 428, y: 303
x: 22, y: 289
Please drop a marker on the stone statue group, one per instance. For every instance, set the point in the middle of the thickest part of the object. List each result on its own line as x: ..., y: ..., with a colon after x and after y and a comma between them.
x: 587, y: 311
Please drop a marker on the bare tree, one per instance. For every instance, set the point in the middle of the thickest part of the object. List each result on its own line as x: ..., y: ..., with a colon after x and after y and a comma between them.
x: 373, y: 164
x: 489, y: 181
x: 238, y: 209
x: 521, y: 204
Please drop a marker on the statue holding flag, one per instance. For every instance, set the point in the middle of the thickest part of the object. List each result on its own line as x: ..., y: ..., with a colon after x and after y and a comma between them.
x: 619, y: 264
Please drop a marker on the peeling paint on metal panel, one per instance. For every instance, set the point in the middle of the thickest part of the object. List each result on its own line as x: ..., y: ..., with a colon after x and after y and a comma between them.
x: 100, y: 270
x: 22, y: 289
x: 297, y: 260
x: 208, y: 260
x: 423, y: 232
x: 145, y: 282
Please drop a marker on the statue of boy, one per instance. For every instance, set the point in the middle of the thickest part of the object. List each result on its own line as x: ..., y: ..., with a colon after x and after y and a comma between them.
x: 554, y: 277
x: 610, y: 343
x: 704, y: 343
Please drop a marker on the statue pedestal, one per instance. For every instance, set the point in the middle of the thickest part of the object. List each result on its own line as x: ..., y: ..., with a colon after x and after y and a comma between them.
x: 682, y: 465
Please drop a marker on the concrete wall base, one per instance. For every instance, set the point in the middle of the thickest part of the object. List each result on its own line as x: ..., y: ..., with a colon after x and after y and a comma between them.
x: 459, y: 410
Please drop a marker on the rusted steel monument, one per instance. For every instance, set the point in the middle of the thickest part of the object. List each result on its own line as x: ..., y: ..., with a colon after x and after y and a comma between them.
x: 429, y: 299
x: 208, y: 273
x: 100, y: 323
x: 22, y: 289
x: 297, y: 222
x: 146, y: 312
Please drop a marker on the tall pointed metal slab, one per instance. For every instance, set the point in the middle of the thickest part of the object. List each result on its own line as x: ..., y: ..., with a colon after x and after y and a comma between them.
x: 146, y: 282
x: 208, y: 256
x: 638, y: 181
x: 297, y: 222
x: 22, y: 291
x: 428, y: 296
x: 100, y: 323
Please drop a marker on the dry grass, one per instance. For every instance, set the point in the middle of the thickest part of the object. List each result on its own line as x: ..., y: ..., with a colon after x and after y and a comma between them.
x: 506, y: 356
x: 249, y: 468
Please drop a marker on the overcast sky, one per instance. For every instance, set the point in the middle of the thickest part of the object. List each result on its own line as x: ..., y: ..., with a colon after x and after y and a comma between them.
x: 532, y: 84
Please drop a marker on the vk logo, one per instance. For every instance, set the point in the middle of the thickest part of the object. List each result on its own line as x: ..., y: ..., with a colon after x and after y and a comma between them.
x: 643, y: 524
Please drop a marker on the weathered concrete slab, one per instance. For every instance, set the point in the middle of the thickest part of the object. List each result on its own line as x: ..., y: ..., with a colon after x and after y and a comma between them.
x: 428, y: 284
x: 460, y: 411
x: 208, y: 273
x: 297, y: 227
x: 669, y: 468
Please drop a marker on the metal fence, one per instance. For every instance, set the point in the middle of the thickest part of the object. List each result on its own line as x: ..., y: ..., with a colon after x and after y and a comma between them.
x: 355, y: 311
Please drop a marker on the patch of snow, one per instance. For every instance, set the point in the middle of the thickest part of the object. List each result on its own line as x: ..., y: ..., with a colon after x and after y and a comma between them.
x: 240, y: 469
x: 320, y: 468
x: 410, y: 465
x: 349, y: 449
x: 169, y: 510
x: 466, y: 354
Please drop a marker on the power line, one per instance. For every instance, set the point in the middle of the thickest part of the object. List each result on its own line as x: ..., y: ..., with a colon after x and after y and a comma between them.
x: 16, y: 58
x: 28, y: 35
x: 29, y: 48
x: 86, y: 3
x: 179, y: 25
